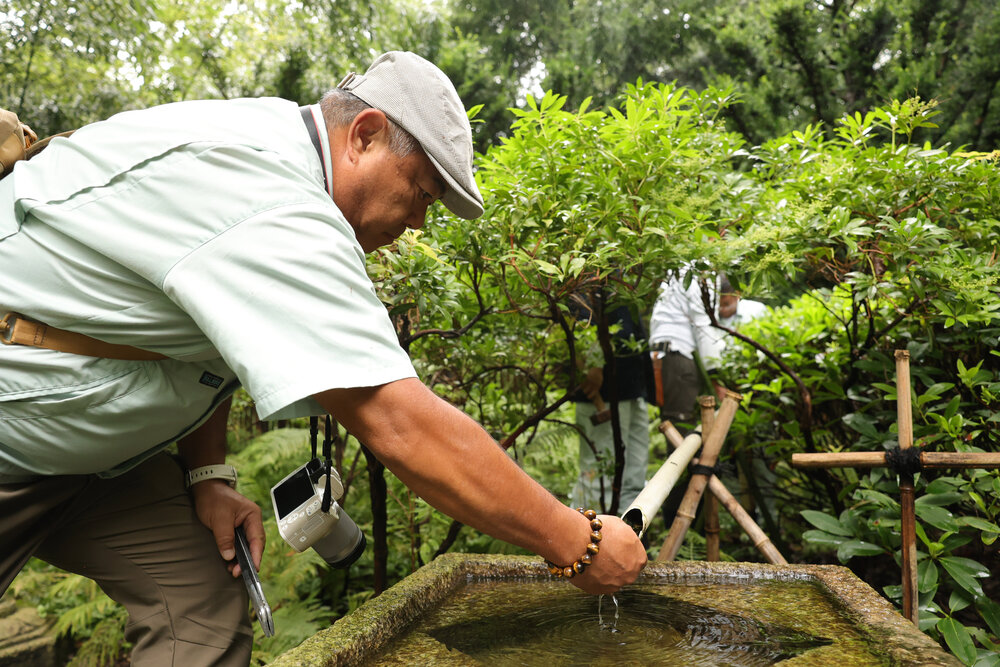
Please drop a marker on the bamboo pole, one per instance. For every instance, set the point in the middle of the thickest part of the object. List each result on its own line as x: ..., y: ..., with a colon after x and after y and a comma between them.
x: 904, y: 418
x: 645, y: 506
x: 757, y: 536
x: 929, y: 460
x: 696, y: 487
x: 711, y: 511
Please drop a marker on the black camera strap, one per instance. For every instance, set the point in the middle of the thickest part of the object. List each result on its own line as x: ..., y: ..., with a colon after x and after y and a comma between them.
x: 327, y: 456
x: 328, y: 459
x: 313, y: 432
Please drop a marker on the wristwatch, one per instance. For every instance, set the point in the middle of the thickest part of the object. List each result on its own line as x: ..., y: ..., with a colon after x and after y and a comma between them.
x: 219, y: 471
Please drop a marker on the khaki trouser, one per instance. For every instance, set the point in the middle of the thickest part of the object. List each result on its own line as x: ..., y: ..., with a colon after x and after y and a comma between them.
x: 677, y: 387
x: 634, y: 422
x: 138, y: 537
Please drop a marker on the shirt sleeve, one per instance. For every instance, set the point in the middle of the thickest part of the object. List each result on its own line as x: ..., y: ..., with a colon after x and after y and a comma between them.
x: 284, y: 297
x: 708, y: 341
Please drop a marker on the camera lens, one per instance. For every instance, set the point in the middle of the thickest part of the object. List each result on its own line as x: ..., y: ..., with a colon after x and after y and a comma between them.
x: 344, y: 544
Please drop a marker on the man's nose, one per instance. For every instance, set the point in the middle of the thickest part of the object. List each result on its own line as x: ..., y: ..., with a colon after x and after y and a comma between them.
x: 417, y: 220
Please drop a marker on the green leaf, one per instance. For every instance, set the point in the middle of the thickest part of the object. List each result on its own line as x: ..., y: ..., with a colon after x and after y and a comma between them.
x: 942, y: 485
x: 937, y: 517
x: 576, y: 266
x: 546, y: 267
x: 958, y: 639
x: 965, y: 571
x: 862, y: 424
x: 852, y: 548
x: 426, y: 552
x: 927, y: 575
x: 825, y: 522
x: 822, y: 538
x: 959, y: 599
x: 981, y: 524
x: 940, y: 499
x: 990, y: 611
x: 991, y: 656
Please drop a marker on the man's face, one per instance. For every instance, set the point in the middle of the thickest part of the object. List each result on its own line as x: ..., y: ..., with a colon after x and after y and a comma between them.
x: 727, y: 305
x: 391, y: 194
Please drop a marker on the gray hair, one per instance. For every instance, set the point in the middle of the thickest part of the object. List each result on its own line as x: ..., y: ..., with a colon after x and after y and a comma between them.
x: 340, y: 108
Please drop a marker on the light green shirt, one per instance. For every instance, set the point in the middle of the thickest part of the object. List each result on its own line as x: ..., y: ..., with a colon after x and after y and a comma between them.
x: 200, y: 230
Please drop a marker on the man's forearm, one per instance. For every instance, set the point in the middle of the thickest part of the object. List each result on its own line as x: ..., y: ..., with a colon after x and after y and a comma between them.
x: 206, y: 445
x: 452, y: 463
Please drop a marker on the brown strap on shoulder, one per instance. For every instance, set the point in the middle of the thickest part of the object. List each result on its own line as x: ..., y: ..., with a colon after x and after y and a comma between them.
x: 37, y: 147
x: 15, y: 329
x: 15, y: 137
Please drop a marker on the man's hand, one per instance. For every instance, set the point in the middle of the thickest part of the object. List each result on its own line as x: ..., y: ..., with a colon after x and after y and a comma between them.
x: 218, y: 506
x: 592, y: 382
x: 619, y: 561
x: 221, y: 509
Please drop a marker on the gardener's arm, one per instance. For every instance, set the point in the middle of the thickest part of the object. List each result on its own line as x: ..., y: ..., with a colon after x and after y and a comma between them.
x: 452, y: 463
x: 218, y: 506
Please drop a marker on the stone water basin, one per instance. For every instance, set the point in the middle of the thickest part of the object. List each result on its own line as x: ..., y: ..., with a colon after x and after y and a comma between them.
x: 472, y: 609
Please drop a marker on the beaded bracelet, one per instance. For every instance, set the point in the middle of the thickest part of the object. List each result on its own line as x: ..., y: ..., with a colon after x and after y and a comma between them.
x: 587, y: 558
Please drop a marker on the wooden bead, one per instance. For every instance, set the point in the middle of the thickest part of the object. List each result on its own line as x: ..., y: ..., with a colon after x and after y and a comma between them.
x: 587, y: 558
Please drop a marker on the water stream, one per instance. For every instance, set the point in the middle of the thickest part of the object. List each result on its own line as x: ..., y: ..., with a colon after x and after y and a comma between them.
x: 600, y: 619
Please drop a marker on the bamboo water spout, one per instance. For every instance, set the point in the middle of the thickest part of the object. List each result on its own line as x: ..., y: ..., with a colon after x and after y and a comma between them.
x: 645, y: 506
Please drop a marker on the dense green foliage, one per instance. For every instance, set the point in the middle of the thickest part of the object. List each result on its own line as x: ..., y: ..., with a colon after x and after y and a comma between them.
x: 782, y: 154
x: 792, y: 62
x: 864, y: 242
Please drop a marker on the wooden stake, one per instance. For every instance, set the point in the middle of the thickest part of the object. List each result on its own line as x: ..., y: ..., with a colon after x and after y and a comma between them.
x: 710, y: 448
x: 908, y: 515
x: 757, y: 536
x: 932, y: 460
x: 711, y: 510
x: 907, y: 501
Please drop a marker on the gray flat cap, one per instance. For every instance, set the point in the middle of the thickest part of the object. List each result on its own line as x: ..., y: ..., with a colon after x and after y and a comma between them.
x: 420, y: 98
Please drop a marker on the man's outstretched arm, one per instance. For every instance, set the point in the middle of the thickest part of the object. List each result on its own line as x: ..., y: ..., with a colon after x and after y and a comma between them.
x: 452, y: 463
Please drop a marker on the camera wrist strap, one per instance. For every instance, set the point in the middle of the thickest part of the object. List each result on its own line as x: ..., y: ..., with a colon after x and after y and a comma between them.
x: 328, y: 460
x: 327, y: 455
x: 313, y: 431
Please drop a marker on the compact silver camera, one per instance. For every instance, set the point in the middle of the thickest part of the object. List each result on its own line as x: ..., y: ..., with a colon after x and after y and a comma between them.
x: 298, y: 509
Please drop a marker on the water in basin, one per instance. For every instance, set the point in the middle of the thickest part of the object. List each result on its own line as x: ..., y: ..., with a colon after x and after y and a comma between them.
x: 551, y: 624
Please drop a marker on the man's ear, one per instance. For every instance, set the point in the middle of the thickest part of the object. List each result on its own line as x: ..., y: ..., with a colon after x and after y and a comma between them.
x: 367, y: 128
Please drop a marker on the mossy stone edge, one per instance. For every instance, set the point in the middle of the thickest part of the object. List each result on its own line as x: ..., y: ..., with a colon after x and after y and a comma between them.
x: 363, y: 632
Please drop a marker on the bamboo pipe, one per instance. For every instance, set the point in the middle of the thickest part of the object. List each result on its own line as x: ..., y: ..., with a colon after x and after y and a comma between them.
x: 907, y: 500
x: 728, y: 500
x: 930, y: 460
x: 696, y: 487
x: 712, y: 550
x: 645, y: 506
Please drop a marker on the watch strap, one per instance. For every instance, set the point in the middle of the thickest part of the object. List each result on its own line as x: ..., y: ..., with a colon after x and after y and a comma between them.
x: 222, y: 471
